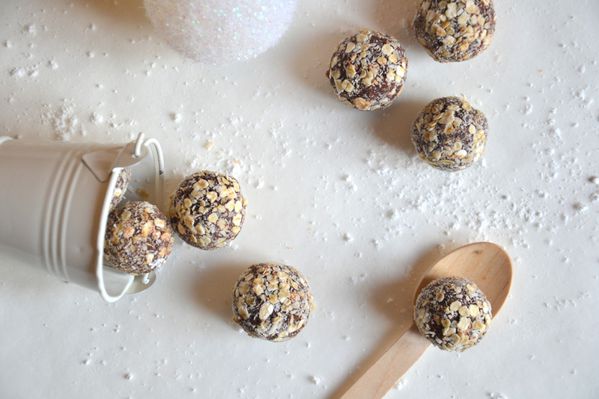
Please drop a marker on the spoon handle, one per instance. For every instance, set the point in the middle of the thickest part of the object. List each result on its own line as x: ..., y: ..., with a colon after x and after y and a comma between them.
x: 389, y: 368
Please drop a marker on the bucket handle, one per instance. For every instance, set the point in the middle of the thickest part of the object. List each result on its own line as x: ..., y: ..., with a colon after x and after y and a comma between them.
x: 155, y: 150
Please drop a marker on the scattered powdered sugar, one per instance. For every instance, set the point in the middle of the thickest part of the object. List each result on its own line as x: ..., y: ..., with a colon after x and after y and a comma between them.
x: 209, y: 145
x: 560, y: 304
x: 52, y: 64
x: 17, y: 72
x: 31, y: 71
x: 316, y: 380
x: 361, y: 215
x: 63, y: 120
x: 580, y: 207
x: 96, y: 118
x: 67, y: 122
x: 176, y: 117
x: 30, y: 29
x: 528, y: 106
x: 401, y: 384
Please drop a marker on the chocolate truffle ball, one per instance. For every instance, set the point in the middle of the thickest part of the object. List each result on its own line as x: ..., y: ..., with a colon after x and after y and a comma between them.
x: 207, y: 210
x: 368, y: 70
x: 120, y: 188
x: 272, y: 302
x: 455, y: 30
x: 138, y: 238
x: 452, y: 313
x: 449, y: 134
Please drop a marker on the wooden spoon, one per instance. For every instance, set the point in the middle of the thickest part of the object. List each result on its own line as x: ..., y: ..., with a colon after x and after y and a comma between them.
x: 485, y: 263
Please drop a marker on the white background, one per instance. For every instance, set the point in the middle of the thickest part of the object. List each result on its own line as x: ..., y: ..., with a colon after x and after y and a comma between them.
x: 338, y: 193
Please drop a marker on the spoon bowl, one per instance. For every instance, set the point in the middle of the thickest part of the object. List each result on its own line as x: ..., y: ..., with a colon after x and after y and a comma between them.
x: 484, y: 263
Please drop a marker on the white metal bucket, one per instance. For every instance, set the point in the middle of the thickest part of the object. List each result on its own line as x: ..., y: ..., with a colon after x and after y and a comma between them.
x: 54, y: 204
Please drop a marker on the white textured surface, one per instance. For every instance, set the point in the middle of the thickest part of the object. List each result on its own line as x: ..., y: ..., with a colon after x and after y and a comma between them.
x: 221, y: 31
x: 333, y: 191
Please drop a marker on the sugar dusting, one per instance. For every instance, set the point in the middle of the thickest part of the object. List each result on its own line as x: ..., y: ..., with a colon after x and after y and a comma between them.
x: 63, y: 120
x: 340, y: 194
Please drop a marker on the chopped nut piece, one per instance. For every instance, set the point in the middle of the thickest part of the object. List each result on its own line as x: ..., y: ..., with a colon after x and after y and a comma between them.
x: 455, y: 305
x: 265, y: 311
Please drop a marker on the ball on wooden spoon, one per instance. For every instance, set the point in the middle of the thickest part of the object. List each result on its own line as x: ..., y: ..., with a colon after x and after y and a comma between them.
x: 452, y: 313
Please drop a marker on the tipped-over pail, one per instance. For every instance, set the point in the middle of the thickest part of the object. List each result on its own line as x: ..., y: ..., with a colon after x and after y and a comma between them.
x: 54, y: 204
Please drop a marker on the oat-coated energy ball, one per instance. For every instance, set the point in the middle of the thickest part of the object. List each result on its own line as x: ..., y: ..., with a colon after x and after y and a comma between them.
x: 138, y: 238
x: 122, y: 183
x: 368, y: 70
x: 207, y: 210
x: 455, y: 30
x: 452, y: 313
x: 272, y: 302
x: 450, y: 134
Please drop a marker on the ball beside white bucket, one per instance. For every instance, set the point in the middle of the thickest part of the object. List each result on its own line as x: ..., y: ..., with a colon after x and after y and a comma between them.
x: 54, y: 204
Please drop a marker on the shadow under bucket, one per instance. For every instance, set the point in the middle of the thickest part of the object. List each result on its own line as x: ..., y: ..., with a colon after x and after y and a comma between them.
x: 54, y: 205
